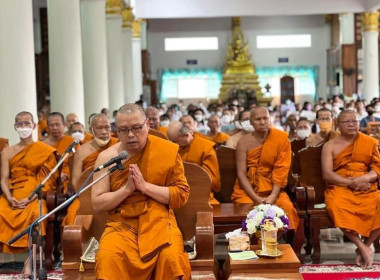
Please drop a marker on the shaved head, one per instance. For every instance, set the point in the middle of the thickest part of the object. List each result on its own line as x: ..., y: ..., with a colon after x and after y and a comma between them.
x: 24, y: 113
x: 131, y: 108
x: 96, y: 118
x: 259, y: 108
x: 180, y: 134
x: 154, y: 117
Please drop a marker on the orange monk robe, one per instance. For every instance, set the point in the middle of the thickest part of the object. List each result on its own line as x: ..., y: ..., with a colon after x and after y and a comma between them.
x: 141, y: 238
x: 269, y: 165
x: 27, y: 169
x: 164, y: 130
x: 201, y: 151
x: 3, y: 143
x: 87, y: 162
x: 358, y: 211
x: 87, y: 137
x: 61, y: 147
x: 42, y: 129
x: 220, y: 138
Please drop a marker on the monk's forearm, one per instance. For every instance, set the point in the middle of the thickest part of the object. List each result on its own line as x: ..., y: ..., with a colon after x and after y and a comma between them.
x: 334, y: 178
x: 371, y: 176
x: 246, y: 185
x: 161, y: 194
x: 109, y: 200
x: 5, y: 189
x: 275, y: 190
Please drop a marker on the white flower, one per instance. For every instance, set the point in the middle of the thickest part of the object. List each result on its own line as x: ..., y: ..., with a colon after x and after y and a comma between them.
x: 251, y: 227
x: 279, y: 212
x: 278, y: 222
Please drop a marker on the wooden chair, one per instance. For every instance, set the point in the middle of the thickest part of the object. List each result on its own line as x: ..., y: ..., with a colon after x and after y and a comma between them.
x: 373, y: 129
x: 228, y: 174
x: 194, y: 219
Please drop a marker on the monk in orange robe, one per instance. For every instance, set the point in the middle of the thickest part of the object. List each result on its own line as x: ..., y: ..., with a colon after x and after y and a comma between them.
x: 3, y: 143
x: 214, y: 134
x: 198, y: 150
x: 77, y: 131
x: 59, y: 141
x: 263, y: 161
x: 325, y: 122
x: 42, y: 125
x: 141, y: 239
x: 351, y: 167
x: 85, y: 157
x: 23, y: 167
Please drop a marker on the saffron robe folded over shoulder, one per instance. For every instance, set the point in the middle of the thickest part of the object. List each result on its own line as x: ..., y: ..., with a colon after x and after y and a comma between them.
x: 142, y: 239
x: 358, y: 211
x: 87, y: 162
x: 220, y: 138
x: 27, y: 170
x: 269, y: 165
x: 201, y: 151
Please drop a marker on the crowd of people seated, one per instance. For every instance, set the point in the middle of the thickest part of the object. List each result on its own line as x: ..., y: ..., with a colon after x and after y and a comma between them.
x: 260, y: 134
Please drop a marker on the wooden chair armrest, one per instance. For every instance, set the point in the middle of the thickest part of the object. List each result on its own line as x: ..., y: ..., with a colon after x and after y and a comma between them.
x: 51, y: 200
x: 310, y: 194
x: 76, y: 237
x: 301, y: 198
x: 204, y: 235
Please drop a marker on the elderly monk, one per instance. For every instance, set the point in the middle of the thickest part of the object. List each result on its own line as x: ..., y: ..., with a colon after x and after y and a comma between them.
x: 86, y: 156
x: 198, y: 150
x: 141, y: 239
x: 56, y: 139
x: 214, y: 133
x: 23, y: 167
x: 325, y: 122
x: 153, y: 116
x: 190, y: 123
x: 263, y: 161
x: 244, y: 127
x: 77, y: 131
x: 351, y: 167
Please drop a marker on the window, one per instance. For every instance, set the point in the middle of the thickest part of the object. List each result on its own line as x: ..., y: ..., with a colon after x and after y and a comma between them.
x: 283, y: 41
x: 191, y: 44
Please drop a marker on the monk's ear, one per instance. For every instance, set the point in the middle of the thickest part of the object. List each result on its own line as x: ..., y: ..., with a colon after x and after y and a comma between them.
x: 34, y: 126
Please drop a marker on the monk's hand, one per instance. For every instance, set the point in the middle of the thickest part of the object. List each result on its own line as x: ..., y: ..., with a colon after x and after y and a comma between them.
x: 359, y: 183
x: 130, y: 186
x: 138, y: 178
x: 64, y: 177
x: 23, y: 203
x: 13, y: 202
x: 271, y: 199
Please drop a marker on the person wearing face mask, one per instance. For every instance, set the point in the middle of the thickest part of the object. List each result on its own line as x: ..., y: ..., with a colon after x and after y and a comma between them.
x: 369, y: 118
x: 77, y: 131
x: 244, y: 127
x: 164, y: 123
x: 57, y: 139
x: 227, y: 121
x: 86, y: 156
x: 199, y: 117
x: 214, y: 134
x: 307, y: 112
x: 288, y: 107
x: 324, y: 119
x: 377, y: 109
x: 303, y: 129
x: 23, y: 167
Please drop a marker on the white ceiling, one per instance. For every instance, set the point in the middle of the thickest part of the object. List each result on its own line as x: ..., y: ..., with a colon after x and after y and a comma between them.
x: 150, y: 9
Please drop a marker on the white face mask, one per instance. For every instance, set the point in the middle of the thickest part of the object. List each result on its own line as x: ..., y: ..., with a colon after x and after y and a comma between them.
x: 246, y: 126
x: 165, y: 123
x: 198, y: 118
x: 226, y: 119
x: 237, y: 125
x: 24, y: 132
x: 101, y: 142
x: 78, y: 135
x: 219, y: 114
x: 304, y: 133
x: 288, y: 102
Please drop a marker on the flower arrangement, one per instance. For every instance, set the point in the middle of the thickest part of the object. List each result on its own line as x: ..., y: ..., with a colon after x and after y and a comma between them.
x: 262, y: 212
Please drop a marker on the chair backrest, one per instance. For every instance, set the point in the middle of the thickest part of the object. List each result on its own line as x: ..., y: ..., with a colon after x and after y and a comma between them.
x: 373, y: 128
x: 157, y: 133
x: 228, y: 174
x: 200, y: 187
x: 311, y: 171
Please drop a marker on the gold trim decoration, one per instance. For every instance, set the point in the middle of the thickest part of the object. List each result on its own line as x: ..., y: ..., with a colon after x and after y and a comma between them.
x: 136, y: 29
x: 114, y: 7
x: 128, y: 17
x: 370, y: 21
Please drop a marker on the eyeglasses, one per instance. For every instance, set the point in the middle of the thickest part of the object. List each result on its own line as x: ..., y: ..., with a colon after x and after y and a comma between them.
x: 354, y: 122
x: 23, y: 124
x: 135, y: 129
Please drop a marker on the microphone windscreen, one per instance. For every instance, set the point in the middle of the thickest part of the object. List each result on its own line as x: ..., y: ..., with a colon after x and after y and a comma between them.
x: 123, y: 154
x: 76, y: 142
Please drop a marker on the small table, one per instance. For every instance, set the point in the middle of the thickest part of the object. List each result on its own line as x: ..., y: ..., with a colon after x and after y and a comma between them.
x: 228, y: 216
x: 285, y: 267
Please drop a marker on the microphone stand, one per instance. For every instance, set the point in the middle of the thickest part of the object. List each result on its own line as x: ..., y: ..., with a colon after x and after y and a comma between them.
x: 60, y: 207
x: 37, y: 235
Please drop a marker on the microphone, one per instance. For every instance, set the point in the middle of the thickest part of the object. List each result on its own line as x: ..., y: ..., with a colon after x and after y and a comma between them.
x: 118, y: 159
x: 71, y: 147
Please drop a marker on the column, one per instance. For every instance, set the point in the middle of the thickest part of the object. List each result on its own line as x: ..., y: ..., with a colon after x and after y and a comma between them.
x: 114, y: 54
x: 128, y: 19
x: 65, y: 57
x: 17, y: 69
x: 371, y: 55
x: 136, y: 60
x: 95, y: 75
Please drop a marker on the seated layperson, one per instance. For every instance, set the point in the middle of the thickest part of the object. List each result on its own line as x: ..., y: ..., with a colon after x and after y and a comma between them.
x: 199, y: 150
x: 141, y: 239
x: 351, y: 167
x: 263, y: 161
x: 23, y: 167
